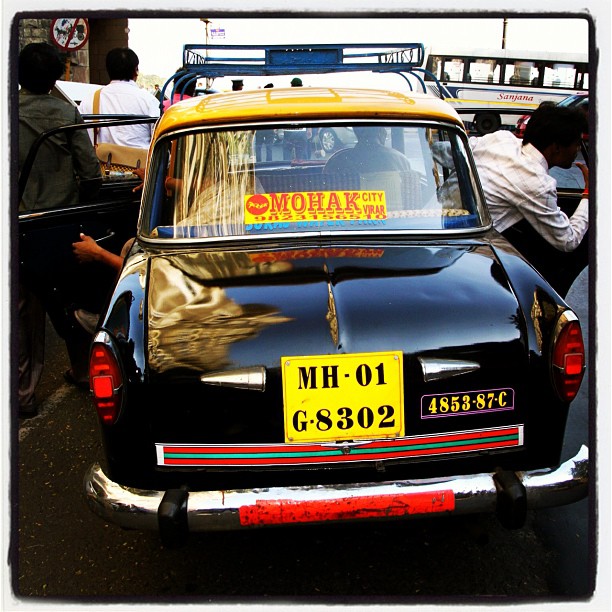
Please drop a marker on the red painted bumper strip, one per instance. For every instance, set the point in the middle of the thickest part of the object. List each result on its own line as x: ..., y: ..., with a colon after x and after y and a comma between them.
x: 278, y: 512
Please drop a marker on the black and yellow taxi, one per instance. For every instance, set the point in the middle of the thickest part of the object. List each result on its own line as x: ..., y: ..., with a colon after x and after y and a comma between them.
x: 313, y: 338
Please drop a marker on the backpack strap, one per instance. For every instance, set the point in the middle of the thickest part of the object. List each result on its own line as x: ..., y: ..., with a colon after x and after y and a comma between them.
x: 96, y: 111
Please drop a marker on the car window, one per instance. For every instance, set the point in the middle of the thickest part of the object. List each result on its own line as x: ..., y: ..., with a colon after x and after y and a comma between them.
x: 218, y: 183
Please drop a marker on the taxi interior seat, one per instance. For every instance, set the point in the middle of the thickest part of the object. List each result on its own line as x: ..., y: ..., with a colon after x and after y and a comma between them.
x: 297, y: 182
x: 403, y: 189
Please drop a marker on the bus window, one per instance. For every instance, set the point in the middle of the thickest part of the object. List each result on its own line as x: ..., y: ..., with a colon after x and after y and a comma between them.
x: 446, y: 68
x: 521, y: 73
x: 453, y: 69
x: 582, y: 77
x: 559, y: 75
x: 434, y: 65
x: 484, y: 71
x: 582, y: 80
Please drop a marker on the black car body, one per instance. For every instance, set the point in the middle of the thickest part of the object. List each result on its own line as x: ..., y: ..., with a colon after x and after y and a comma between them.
x: 300, y: 342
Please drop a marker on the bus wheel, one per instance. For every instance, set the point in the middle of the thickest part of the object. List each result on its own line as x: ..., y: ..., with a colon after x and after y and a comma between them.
x: 486, y: 123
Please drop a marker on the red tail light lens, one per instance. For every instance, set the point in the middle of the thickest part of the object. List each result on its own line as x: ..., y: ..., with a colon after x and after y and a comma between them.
x: 568, y: 359
x: 105, y: 382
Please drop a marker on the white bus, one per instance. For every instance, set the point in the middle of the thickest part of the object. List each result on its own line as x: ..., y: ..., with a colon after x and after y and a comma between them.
x: 490, y: 79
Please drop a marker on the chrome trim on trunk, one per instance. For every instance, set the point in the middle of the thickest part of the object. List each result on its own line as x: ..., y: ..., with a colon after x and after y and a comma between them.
x: 439, y: 369
x: 246, y: 378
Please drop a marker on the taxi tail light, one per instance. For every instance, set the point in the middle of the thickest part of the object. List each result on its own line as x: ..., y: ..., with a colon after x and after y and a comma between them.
x: 105, y: 382
x: 568, y: 358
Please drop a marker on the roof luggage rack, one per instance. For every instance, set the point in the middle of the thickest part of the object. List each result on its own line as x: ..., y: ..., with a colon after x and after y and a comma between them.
x: 213, y: 61
x: 264, y: 60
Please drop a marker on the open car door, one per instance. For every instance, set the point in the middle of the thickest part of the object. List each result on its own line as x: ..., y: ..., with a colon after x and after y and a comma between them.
x: 46, y: 235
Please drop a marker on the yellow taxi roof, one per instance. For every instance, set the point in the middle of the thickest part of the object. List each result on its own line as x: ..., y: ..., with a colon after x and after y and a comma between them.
x: 303, y: 103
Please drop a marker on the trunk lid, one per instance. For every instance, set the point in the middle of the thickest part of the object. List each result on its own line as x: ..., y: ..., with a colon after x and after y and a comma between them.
x: 222, y: 311
x: 448, y: 311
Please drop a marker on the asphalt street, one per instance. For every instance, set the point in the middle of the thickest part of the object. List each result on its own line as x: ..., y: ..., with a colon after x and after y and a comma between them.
x: 62, y: 553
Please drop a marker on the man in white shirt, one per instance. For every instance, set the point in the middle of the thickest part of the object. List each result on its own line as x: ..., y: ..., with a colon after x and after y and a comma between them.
x: 122, y: 96
x: 522, y: 196
x: 515, y: 178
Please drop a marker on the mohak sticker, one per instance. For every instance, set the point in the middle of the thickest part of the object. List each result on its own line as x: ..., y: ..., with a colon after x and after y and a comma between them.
x: 315, y: 206
x: 466, y: 402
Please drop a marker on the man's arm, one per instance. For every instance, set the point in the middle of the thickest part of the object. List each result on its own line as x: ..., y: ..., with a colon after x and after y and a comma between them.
x: 89, y: 250
x: 562, y: 232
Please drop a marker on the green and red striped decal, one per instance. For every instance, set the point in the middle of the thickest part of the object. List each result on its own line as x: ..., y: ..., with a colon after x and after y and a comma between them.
x: 305, y: 454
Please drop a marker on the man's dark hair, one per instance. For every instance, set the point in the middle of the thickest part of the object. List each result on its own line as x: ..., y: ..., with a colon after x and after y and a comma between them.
x: 121, y: 64
x: 40, y: 66
x: 554, y: 125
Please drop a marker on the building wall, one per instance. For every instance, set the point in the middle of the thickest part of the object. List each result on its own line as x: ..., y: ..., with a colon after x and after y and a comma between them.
x: 33, y: 30
x: 87, y: 65
x: 105, y: 34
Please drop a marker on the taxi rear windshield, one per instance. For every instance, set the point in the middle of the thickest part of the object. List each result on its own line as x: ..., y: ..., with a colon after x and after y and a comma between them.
x: 310, y: 178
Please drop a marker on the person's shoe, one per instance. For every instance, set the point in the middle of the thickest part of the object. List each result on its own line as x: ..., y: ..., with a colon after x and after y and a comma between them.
x: 87, y: 320
x: 70, y: 378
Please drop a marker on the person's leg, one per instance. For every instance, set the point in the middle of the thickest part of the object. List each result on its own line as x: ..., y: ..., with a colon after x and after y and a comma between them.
x: 78, y: 341
x: 301, y: 146
x: 31, y: 329
x: 268, y: 142
x: 78, y: 344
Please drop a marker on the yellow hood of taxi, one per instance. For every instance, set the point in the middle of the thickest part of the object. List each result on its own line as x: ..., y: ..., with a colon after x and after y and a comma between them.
x: 303, y: 103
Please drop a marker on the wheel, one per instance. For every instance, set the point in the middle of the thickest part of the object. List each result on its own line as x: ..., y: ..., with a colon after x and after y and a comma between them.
x: 486, y: 123
x: 328, y: 139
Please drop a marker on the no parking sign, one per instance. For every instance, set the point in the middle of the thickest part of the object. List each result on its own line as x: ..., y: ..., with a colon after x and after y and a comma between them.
x: 69, y: 34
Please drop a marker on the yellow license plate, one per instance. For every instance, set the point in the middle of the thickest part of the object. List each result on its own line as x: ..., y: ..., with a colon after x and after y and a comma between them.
x: 328, y: 398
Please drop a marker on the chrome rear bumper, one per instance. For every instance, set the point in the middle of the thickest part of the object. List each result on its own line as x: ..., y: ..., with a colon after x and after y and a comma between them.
x: 226, y: 510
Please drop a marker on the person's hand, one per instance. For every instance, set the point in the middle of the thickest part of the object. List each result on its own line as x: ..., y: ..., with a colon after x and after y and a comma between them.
x: 140, y: 173
x: 585, y: 173
x: 172, y: 185
x: 87, y: 249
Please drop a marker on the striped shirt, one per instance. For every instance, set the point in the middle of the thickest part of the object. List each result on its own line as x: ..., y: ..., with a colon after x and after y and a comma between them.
x: 517, y: 186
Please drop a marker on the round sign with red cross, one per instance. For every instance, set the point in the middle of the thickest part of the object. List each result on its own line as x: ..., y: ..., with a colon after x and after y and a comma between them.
x: 69, y: 34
